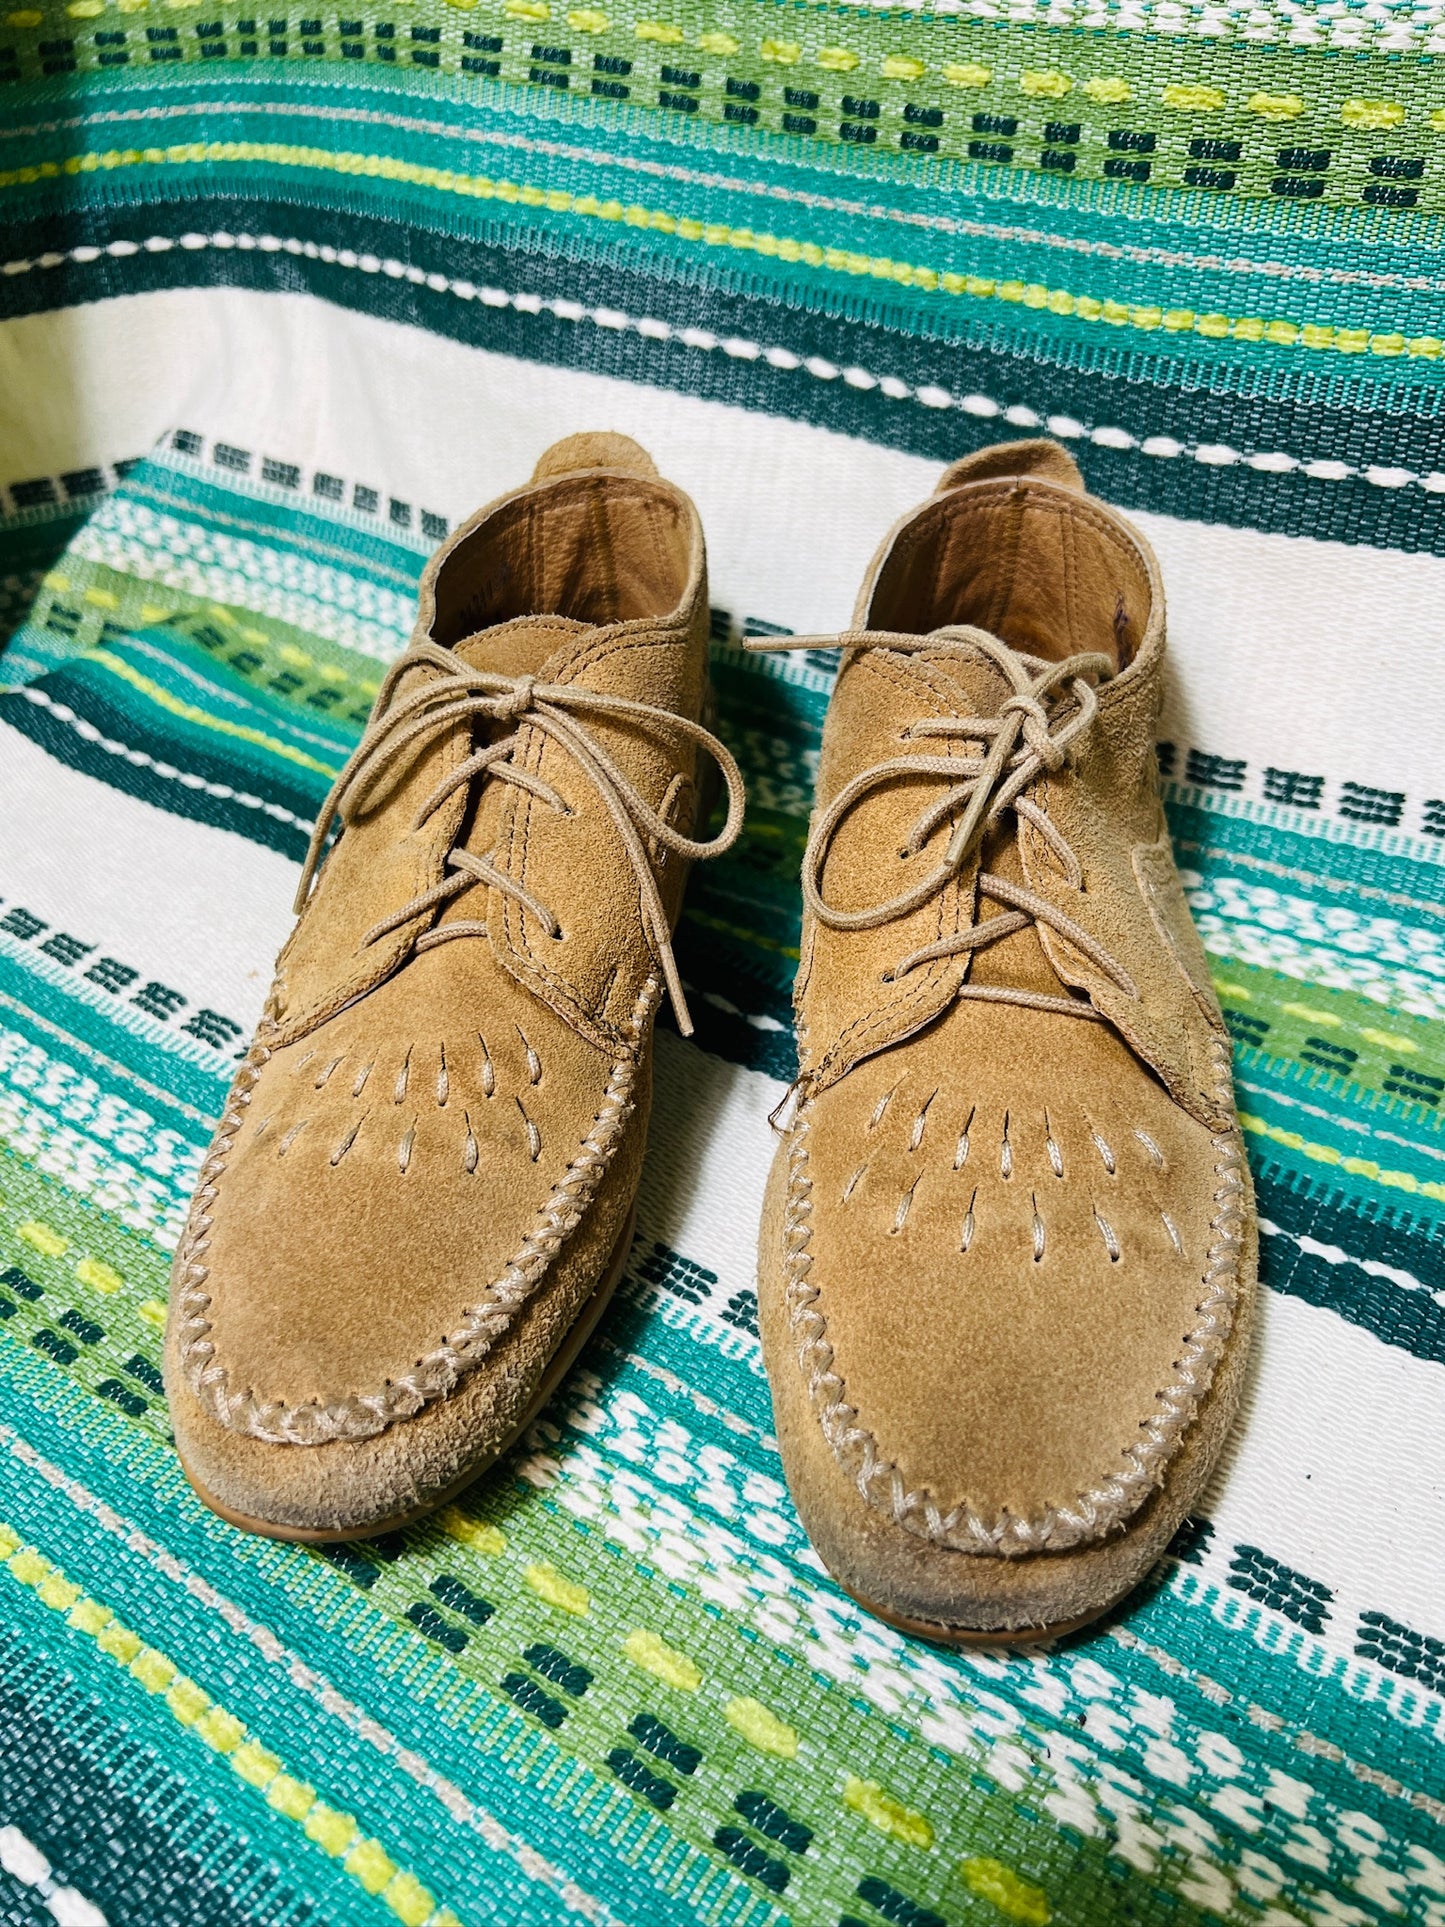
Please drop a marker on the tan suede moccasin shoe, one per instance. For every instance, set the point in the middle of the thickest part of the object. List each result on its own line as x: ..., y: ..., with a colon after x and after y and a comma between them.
x: 421, y: 1192
x: 1008, y: 1252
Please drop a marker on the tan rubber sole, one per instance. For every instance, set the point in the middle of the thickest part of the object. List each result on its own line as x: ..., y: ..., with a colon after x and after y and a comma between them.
x: 562, y: 1361
x: 940, y: 1633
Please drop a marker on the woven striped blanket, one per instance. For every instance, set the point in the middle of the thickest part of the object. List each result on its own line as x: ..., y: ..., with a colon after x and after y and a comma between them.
x: 285, y: 297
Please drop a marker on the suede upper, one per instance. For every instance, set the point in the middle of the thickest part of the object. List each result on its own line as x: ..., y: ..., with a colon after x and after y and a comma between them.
x: 1008, y: 1244
x: 430, y: 1156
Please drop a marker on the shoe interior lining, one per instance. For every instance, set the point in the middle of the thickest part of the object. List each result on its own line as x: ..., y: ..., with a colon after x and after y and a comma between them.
x: 591, y: 548
x: 1038, y: 568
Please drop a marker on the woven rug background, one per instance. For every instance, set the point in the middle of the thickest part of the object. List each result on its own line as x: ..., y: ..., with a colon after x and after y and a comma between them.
x: 284, y: 298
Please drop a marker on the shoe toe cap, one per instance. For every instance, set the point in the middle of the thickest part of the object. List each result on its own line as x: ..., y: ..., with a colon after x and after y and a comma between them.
x: 371, y: 1235
x: 998, y: 1322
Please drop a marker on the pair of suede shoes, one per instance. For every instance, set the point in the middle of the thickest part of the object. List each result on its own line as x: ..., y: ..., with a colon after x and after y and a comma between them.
x: 1007, y: 1258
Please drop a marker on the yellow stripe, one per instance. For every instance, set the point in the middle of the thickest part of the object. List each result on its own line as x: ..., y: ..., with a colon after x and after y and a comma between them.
x: 164, y: 700
x: 1388, y: 343
x: 193, y: 1709
x: 1357, y: 1167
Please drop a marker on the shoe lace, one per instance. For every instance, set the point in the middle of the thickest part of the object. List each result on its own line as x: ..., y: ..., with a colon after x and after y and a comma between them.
x: 1050, y: 705
x: 456, y: 692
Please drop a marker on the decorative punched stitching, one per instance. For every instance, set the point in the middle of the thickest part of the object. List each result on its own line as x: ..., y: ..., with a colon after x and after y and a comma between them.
x: 1117, y: 1494
x: 534, y: 1062
x: 915, y: 1136
x: 1152, y: 1148
x: 1106, y: 1232
x: 364, y: 1415
x: 905, y: 1203
x: 534, y: 1136
x: 1056, y: 1156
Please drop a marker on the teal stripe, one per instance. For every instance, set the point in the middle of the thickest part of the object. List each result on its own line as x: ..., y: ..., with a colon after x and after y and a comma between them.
x: 969, y: 224
x: 335, y: 540
x: 210, y: 1784
x: 101, y: 1046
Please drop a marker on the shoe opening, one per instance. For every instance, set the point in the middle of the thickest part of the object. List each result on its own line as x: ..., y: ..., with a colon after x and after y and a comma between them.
x: 589, y: 548
x: 1037, y: 566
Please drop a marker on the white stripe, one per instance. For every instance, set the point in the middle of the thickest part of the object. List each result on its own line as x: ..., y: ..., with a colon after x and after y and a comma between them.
x: 1286, y: 652
x: 182, y: 903
x: 1277, y: 643
x: 139, y: 759
x: 784, y: 361
x: 1334, y: 1467
x: 23, y: 1861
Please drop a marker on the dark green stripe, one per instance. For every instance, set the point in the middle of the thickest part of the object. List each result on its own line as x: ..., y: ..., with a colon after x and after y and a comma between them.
x: 62, y: 741
x: 1351, y: 511
x: 141, y: 1844
x: 1409, y: 1320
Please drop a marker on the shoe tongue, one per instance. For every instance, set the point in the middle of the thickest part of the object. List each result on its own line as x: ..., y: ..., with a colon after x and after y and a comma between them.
x: 521, y: 647
x: 1018, y: 960
x: 976, y: 684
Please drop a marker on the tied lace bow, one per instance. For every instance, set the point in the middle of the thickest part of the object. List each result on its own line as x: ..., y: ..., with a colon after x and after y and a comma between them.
x: 458, y: 693
x: 1050, y: 705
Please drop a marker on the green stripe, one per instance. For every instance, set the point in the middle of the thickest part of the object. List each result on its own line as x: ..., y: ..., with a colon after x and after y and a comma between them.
x: 1307, y: 268
x: 848, y: 82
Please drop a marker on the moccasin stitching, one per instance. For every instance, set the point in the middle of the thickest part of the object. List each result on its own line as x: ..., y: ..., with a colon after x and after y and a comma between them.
x: 1102, y: 1506
x: 364, y: 1415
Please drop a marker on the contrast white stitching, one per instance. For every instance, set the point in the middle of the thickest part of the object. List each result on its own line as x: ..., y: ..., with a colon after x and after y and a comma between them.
x: 364, y: 1414
x: 1114, y: 1497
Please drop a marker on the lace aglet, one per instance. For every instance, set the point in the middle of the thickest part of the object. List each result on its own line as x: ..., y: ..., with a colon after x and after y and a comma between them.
x: 784, y: 1114
x: 681, y: 1014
